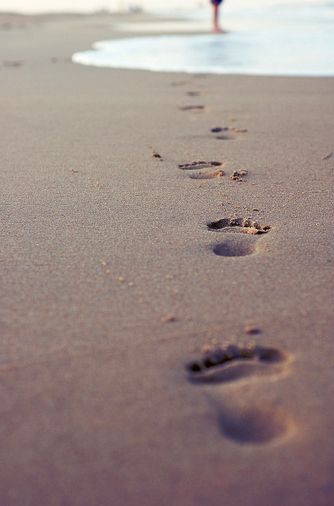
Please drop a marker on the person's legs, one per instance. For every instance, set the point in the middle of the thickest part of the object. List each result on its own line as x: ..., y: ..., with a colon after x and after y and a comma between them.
x: 215, y: 18
x: 215, y: 25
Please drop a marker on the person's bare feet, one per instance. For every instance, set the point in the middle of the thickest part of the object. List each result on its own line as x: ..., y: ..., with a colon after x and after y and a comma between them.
x: 218, y: 29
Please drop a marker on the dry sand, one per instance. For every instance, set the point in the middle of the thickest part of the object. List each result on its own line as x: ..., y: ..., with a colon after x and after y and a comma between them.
x: 110, y: 284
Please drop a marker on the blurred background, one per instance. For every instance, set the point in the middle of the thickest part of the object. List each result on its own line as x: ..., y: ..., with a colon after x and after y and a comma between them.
x: 286, y: 37
x: 150, y: 5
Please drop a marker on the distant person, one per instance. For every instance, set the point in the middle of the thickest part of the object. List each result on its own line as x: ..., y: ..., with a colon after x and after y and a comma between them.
x: 216, y: 5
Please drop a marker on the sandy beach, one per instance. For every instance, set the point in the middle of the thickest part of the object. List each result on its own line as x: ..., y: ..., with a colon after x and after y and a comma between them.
x: 123, y: 270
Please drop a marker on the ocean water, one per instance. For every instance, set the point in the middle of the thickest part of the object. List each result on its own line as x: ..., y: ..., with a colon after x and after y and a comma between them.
x: 266, y: 37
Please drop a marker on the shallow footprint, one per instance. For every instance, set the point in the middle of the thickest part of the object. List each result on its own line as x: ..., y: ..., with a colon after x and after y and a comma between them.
x: 224, y: 137
x: 193, y: 93
x: 208, y: 175
x: 192, y: 108
x: 232, y: 363
x: 13, y: 63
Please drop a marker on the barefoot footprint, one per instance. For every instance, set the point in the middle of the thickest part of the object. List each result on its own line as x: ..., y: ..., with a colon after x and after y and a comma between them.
x: 226, y: 133
x: 216, y: 174
x: 193, y: 93
x: 194, y: 108
x: 256, y: 424
x: 202, y: 164
x: 235, y: 242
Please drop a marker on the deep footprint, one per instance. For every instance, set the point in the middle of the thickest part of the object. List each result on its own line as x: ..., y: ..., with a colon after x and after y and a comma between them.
x: 234, y: 362
x: 242, y: 225
x: 200, y: 164
x: 255, y: 425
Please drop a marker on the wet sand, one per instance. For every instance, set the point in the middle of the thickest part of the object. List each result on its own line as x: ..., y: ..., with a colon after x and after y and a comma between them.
x: 166, y: 329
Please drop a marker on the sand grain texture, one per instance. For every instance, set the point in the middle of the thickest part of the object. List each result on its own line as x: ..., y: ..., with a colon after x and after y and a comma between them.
x: 100, y: 241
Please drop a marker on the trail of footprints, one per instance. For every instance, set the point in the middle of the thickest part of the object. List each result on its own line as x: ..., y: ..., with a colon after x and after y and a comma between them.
x: 216, y: 369
x: 235, y: 243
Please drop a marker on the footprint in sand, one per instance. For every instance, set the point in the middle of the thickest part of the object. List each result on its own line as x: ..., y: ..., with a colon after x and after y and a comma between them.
x: 236, y: 175
x: 193, y: 93
x: 202, y: 164
x: 244, y: 424
x: 241, y: 236
x: 13, y: 63
x: 216, y: 174
x: 195, y: 108
x: 227, y: 133
x: 223, y: 132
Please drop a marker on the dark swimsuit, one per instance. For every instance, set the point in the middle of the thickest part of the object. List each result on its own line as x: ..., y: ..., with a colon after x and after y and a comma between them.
x: 216, y: 2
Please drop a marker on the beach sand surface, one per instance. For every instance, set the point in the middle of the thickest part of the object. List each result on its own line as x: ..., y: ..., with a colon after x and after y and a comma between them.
x: 112, y: 282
